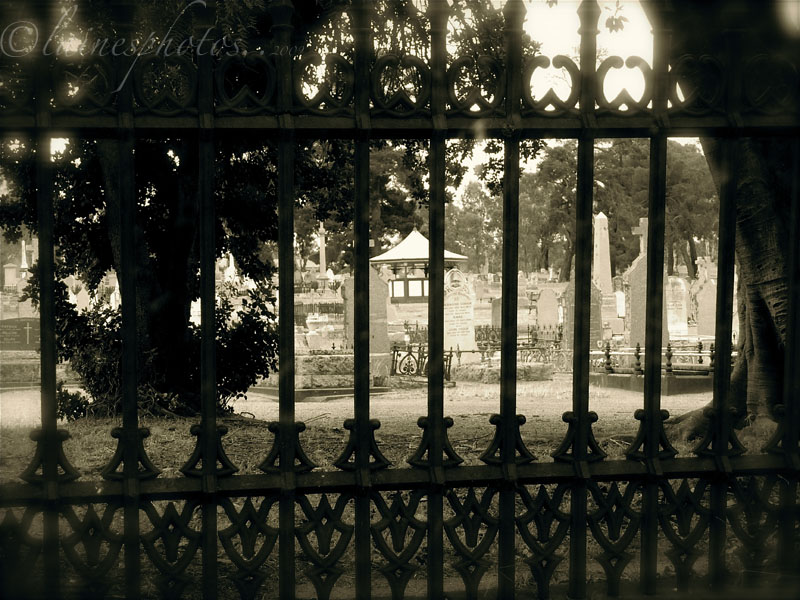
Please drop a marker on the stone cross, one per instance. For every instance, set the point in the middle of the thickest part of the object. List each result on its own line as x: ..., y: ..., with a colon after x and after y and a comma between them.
x: 641, y: 231
x: 28, y: 333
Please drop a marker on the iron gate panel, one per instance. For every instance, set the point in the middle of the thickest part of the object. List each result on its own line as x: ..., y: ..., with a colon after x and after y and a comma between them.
x: 212, y: 530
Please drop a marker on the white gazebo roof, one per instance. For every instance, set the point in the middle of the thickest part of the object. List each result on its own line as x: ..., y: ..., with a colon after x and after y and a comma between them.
x: 413, y: 249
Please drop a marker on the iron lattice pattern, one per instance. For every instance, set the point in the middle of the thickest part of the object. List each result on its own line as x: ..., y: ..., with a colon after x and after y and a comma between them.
x: 513, y: 526
x: 171, y: 536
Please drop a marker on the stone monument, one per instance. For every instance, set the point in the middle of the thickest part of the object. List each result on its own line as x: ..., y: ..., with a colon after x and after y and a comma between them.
x: 459, y: 313
x: 378, y: 328
x: 601, y: 275
x: 635, y: 283
x: 595, y: 324
x: 677, y: 301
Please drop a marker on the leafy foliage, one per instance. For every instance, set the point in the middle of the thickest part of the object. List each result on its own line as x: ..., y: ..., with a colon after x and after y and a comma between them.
x: 70, y: 405
x: 87, y: 209
x: 474, y: 227
x: 547, y: 203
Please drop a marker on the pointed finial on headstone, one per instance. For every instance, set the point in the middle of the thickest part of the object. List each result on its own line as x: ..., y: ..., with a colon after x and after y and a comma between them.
x: 23, y: 263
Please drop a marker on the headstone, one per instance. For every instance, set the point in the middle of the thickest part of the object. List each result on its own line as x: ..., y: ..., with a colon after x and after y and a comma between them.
x: 636, y: 304
x: 677, y: 301
x: 23, y: 263
x: 522, y: 283
x: 378, y: 327
x: 497, y: 313
x: 601, y: 275
x: 595, y: 323
x: 601, y: 265
x: 635, y: 287
x: 525, y: 313
x: 547, y: 309
x: 620, y: 297
x: 323, y: 263
x: 82, y: 299
x: 459, y: 313
x: 9, y: 305
x: 19, y: 334
x: 702, y: 269
x: 641, y: 231
x: 10, y: 275
x: 115, y: 300
x: 706, y: 299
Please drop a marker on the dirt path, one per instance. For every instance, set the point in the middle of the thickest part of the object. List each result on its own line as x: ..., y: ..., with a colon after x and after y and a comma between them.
x: 469, y: 404
x: 538, y: 400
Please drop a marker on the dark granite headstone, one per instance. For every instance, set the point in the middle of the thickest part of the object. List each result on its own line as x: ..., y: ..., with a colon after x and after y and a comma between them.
x: 595, y: 321
x: 19, y: 334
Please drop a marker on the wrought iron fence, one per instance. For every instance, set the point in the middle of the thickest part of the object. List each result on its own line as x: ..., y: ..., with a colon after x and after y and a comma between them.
x: 514, y: 513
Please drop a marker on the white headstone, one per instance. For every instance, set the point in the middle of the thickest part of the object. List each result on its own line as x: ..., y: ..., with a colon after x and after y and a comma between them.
x: 620, y: 295
x: 459, y: 315
x: 601, y: 265
x: 23, y: 263
x: 706, y: 299
x: 677, y: 299
x: 547, y: 309
x: 11, y: 275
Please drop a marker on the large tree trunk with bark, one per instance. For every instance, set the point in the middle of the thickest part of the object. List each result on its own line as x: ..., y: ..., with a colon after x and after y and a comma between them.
x: 762, y: 202
x: 164, y: 274
x: 762, y: 170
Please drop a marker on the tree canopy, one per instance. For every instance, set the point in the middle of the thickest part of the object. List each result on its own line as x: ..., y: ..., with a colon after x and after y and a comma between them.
x: 167, y: 249
x: 547, y: 206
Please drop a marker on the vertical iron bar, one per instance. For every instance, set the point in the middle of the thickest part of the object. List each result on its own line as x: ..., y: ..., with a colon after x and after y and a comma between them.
x: 438, y: 12
x: 514, y: 13
x: 722, y: 423
x: 286, y: 360
x: 652, y: 354
x: 361, y: 335
x: 47, y: 318
x: 127, y: 281
x: 281, y: 11
x: 208, y: 377
x: 589, y: 13
x: 722, y: 369
x: 787, y: 558
x: 654, y: 309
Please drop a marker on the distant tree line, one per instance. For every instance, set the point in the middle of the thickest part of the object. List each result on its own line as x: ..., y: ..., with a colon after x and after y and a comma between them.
x: 547, y: 208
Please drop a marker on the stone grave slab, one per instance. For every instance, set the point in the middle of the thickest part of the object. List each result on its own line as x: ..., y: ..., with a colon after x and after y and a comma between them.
x: 19, y: 334
x: 378, y: 326
x: 595, y: 321
x: 677, y: 302
x: 459, y: 313
x: 706, y: 299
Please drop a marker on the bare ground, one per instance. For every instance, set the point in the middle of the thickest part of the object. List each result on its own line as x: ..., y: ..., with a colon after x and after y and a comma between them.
x: 248, y: 440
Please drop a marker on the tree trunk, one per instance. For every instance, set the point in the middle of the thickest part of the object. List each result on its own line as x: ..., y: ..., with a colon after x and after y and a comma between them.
x: 763, y: 183
x: 761, y: 249
x: 566, y: 264
x: 682, y: 249
x: 109, y: 158
x: 162, y: 294
x: 691, y: 265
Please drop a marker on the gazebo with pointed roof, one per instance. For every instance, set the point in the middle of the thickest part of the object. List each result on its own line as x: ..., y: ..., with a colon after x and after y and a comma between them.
x: 408, y: 261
